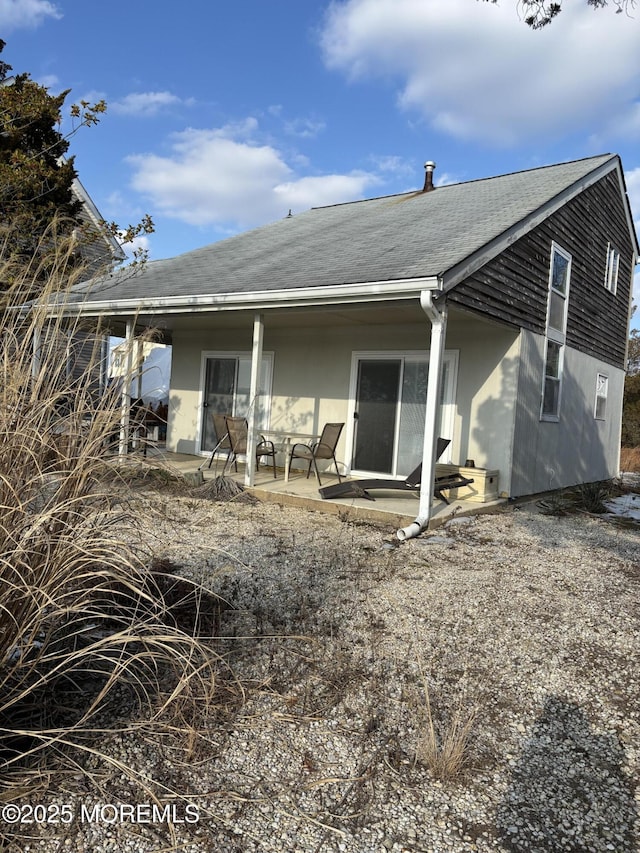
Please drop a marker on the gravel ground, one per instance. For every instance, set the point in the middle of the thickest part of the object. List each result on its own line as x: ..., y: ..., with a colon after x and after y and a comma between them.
x: 515, y: 633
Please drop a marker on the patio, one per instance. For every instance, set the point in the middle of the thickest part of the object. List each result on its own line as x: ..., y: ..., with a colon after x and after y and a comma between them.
x: 397, y: 509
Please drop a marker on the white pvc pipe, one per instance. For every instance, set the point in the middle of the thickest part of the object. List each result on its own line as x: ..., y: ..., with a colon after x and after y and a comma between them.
x: 413, y: 530
x: 438, y: 320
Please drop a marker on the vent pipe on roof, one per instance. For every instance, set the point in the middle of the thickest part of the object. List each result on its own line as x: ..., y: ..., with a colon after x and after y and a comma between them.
x: 429, y: 166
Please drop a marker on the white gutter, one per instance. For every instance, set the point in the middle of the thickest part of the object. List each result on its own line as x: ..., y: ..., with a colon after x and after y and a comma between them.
x: 302, y: 297
x: 438, y: 318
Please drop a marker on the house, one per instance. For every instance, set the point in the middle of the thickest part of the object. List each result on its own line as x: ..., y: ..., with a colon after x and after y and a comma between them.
x: 493, y: 312
x: 151, y: 369
x: 97, y: 250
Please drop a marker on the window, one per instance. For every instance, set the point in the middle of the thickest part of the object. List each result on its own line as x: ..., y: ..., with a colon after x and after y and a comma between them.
x: 602, y: 387
x: 552, y: 380
x: 558, y: 291
x: 611, y: 273
x: 559, y: 276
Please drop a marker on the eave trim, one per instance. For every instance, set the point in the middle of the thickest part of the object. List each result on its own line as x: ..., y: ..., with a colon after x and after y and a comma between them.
x: 286, y: 298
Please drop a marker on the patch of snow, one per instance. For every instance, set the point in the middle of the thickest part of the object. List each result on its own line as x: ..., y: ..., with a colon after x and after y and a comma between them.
x: 626, y: 506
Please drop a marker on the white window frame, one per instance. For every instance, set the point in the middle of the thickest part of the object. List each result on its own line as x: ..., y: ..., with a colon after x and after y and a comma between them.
x: 555, y: 335
x: 611, y: 270
x: 602, y: 393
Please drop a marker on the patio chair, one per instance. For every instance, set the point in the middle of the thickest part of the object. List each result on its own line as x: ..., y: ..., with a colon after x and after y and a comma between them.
x: 238, y: 433
x: 138, y: 431
x: 324, y: 448
x: 221, y: 438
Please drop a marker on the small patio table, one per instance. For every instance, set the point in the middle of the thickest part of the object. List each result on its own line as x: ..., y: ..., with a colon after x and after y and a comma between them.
x: 284, y: 440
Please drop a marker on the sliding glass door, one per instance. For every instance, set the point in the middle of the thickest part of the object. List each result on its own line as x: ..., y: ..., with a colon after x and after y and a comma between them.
x: 225, y: 385
x: 389, y: 401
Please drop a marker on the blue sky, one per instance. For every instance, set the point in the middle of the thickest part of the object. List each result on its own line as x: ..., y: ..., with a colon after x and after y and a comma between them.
x: 224, y: 116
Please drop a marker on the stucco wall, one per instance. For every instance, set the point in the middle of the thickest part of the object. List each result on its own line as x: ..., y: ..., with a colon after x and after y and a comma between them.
x: 311, y: 373
x: 578, y: 448
x: 311, y: 376
x: 487, y: 385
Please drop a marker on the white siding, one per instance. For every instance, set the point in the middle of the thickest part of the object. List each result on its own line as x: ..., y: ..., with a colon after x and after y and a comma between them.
x: 577, y: 449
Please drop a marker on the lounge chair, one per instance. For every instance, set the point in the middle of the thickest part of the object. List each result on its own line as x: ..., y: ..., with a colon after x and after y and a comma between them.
x: 361, y: 488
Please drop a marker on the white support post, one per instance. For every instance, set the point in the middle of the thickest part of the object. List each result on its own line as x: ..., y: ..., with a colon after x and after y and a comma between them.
x: 254, y: 391
x: 139, y: 363
x: 125, y: 407
x: 37, y: 353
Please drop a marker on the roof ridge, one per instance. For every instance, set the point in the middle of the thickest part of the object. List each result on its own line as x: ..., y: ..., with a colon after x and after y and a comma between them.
x: 470, y: 181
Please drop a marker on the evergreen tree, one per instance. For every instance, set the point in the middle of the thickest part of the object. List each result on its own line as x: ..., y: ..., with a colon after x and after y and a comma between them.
x: 35, y: 177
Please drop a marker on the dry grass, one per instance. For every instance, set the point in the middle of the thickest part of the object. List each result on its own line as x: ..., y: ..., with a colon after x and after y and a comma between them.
x: 443, y: 746
x: 90, y: 636
x: 630, y: 459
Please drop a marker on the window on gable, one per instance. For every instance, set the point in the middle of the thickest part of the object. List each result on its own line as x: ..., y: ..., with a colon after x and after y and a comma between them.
x: 559, y: 276
x: 602, y: 389
x: 558, y: 291
x: 611, y: 273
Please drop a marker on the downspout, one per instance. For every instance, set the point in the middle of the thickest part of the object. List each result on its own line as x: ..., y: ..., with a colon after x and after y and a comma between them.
x: 254, y: 391
x: 438, y: 319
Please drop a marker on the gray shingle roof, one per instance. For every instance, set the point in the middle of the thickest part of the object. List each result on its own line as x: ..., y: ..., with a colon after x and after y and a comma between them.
x: 404, y: 236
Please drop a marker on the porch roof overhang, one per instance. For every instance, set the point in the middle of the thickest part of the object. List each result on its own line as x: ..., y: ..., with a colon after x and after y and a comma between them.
x: 169, y: 313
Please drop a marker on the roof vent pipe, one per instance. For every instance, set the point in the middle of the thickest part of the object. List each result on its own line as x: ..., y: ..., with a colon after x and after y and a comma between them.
x: 429, y: 166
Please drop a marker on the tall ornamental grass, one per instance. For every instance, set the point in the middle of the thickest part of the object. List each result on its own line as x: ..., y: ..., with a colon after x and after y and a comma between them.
x: 91, y: 637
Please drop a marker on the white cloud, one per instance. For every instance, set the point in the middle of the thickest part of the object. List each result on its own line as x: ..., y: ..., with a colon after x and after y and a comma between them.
x: 49, y: 81
x: 625, y: 126
x: 305, y: 128
x: 16, y: 14
x: 394, y: 165
x: 225, y: 177
x: 146, y: 104
x: 318, y: 190
x: 137, y: 247
x: 632, y: 180
x: 476, y: 71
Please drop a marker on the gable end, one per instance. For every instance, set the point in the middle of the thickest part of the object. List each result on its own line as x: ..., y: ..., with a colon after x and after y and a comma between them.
x: 513, y: 287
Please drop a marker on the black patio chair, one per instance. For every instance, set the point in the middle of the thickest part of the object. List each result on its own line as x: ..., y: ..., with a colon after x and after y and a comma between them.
x: 323, y: 448
x: 238, y: 434
x: 221, y: 438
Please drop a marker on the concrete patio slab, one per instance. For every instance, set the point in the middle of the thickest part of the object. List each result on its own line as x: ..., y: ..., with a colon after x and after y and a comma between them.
x: 397, y: 509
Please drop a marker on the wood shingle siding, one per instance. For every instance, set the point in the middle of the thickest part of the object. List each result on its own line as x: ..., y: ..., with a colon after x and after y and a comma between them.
x: 513, y: 287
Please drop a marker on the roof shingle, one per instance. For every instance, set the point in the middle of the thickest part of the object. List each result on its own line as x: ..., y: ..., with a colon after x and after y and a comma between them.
x: 397, y: 237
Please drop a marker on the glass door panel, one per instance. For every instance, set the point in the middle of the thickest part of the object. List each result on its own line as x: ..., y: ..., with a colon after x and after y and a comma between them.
x: 219, y: 384
x: 412, y: 413
x: 376, y: 411
x: 390, y: 406
x: 227, y: 387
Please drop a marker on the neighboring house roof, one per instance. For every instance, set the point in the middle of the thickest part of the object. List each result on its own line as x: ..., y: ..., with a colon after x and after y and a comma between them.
x: 404, y: 238
x: 91, y: 215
